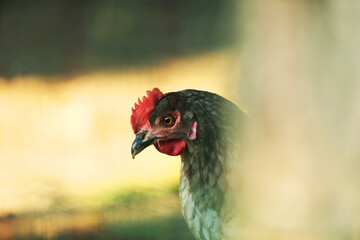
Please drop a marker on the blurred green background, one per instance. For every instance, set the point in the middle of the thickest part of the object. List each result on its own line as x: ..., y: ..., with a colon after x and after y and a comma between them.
x: 70, y: 71
x: 67, y: 37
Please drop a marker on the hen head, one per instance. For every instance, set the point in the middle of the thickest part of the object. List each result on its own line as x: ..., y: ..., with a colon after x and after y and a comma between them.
x: 162, y: 120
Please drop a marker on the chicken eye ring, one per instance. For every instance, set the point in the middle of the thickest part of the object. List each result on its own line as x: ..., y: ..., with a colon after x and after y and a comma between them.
x: 169, y: 120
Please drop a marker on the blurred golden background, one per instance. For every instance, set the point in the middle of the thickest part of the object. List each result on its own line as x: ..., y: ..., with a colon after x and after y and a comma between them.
x: 71, y: 71
x: 66, y: 144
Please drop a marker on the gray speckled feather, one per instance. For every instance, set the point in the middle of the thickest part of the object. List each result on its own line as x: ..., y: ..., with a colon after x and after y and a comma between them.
x: 205, y: 190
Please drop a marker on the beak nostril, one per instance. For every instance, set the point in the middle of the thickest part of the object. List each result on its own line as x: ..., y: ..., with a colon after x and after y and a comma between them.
x: 140, y: 143
x: 141, y: 136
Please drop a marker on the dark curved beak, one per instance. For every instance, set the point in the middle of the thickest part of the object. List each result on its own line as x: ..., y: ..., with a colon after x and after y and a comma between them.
x: 142, y: 141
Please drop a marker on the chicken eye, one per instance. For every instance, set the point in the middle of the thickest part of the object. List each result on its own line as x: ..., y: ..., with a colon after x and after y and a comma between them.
x: 168, y: 120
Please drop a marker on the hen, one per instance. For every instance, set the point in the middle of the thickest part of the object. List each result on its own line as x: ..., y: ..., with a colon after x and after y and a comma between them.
x: 204, y: 129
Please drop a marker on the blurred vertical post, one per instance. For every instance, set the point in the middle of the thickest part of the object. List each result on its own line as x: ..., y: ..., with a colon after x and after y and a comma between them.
x: 301, y: 86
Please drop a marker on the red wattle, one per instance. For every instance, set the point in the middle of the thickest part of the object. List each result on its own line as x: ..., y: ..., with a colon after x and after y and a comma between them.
x: 172, y: 147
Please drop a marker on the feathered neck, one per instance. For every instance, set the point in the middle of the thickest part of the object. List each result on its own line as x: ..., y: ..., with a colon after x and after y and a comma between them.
x: 203, y: 165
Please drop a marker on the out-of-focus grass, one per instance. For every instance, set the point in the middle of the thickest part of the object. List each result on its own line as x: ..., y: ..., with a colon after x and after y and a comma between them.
x: 161, y: 228
x: 133, y: 215
x: 65, y: 144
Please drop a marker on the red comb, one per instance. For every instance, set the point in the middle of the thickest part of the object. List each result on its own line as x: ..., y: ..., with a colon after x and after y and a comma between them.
x: 142, y: 110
